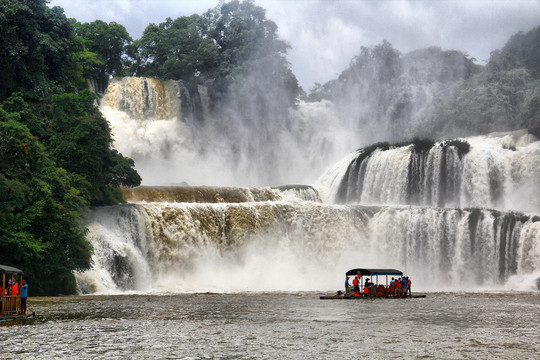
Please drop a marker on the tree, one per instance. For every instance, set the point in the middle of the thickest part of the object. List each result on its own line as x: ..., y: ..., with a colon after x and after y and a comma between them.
x: 41, y: 207
x: 521, y: 51
x: 81, y: 143
x: 176, y: 49
x: 35, y: 49
x: 106, y: 47
x: 243, y: 34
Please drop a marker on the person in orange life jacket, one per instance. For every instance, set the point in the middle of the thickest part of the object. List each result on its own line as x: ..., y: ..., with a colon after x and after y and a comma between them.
x: 367, y: 288
x: 380, y: 290
x: 24, y: 295
x: 356, y: 284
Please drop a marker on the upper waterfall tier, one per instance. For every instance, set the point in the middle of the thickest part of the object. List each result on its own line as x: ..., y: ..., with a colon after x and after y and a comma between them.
x: 500, y: 171
x: 153, y: 99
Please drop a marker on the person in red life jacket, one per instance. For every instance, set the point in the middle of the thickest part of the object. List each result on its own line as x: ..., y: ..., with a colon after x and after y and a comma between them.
x: 14, y: 288
x: 380, y: 290
x: 409, y: 286
x: 356, y: 284
x: 398, y: 287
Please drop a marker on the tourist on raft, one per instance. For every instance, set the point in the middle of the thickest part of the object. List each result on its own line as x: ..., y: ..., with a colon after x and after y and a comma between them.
x: 356, y: 284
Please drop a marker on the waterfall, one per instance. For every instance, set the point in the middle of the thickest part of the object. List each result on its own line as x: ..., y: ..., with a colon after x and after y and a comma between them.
x: 501, y: 171
x: 301, y: 246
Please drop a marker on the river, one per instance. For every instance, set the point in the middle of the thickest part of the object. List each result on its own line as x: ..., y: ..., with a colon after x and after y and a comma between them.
x: 456, y: 325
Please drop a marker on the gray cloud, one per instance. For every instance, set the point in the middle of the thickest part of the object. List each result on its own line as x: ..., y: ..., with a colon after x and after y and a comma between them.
x: 326, y: 34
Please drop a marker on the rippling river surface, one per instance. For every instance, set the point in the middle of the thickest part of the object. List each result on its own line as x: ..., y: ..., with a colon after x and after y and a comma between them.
x: 277, y: 326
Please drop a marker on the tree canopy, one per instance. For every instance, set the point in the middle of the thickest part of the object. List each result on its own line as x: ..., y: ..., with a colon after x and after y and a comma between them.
x: 36, y: 52
x: 105, y: 49
x: 219, y: 48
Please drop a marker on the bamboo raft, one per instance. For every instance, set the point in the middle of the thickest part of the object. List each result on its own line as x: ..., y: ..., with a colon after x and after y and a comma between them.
x: 16, y: 316
x: 344, y: 297
x: 361, y: 273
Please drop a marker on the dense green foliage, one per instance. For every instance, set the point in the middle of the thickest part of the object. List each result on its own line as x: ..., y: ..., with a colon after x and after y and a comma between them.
x: 79, y: 131
x: 175, y: 49
x: 41, y: 206
x: 105, y: 49
x: 55, y: 146
x: 36, y: 52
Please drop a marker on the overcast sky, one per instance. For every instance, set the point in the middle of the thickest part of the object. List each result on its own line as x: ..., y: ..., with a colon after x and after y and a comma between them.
x: 326, y: 34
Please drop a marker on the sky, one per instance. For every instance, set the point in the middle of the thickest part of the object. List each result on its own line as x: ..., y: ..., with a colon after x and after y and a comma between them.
x: 326, y: 34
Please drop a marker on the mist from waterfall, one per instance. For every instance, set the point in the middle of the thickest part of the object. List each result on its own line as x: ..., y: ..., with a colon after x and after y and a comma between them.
x: 156, y: 123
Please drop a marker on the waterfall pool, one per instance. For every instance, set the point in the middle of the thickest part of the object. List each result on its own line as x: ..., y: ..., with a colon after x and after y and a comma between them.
x: 455, y: 325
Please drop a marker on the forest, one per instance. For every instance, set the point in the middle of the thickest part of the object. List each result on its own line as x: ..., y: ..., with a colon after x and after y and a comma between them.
x: 57, y: 156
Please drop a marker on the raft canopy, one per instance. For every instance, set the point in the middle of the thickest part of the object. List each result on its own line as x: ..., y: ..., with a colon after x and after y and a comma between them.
x: 373, y: 272
x: 5, y: 269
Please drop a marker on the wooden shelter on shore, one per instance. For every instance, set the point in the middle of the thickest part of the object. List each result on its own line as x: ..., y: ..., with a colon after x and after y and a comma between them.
x: 11, y: 303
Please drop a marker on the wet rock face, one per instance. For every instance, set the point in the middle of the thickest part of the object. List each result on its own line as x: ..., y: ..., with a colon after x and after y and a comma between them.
x: 538, y: 283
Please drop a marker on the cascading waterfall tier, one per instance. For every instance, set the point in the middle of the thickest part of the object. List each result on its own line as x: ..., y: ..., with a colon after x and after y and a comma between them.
x: 500, y: 171
x: 300, y: 246
x: 215, y: 194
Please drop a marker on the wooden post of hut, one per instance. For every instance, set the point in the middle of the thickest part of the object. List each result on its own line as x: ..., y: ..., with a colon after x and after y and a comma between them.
x: 3, y: 287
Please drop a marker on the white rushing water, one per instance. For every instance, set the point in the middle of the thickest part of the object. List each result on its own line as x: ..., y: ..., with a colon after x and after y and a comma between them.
x: 302, y: 246
x: 500, y: 171
x: 424, y: 211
